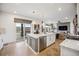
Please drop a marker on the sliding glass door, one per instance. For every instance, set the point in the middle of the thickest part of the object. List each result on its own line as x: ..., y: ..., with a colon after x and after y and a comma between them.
x: 19, y: 31
x: 22, y: 29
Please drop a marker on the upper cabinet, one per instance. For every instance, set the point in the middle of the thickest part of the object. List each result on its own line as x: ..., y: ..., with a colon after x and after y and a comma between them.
x: 36, y: 27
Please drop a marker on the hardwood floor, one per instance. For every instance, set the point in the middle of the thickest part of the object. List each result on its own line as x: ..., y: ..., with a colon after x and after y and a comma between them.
x: 53, y: 50
x: 21, y: 49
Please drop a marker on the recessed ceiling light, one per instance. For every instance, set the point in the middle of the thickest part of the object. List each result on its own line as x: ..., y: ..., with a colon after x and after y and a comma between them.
x: 33, y: 11
x: 66, y: 17
x: 14, y: 11
x: 59, y: 9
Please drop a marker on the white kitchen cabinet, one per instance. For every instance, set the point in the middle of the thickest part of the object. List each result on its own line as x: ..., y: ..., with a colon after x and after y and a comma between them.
x: 50, y: 39
x: 1, y: 43
x: 68, y: 52
x: 69, y: 47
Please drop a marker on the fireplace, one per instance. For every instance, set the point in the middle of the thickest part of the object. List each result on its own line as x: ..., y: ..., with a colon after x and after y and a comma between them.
x: 63, y: 28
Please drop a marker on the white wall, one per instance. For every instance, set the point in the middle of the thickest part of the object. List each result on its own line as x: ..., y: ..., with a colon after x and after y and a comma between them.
x: 7, y: 22
x: 78, y: 12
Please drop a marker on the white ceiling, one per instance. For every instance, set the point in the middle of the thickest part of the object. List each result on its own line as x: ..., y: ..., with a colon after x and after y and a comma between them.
x: 46, y: 11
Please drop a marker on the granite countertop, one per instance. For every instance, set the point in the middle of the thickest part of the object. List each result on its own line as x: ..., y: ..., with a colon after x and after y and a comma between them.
x: 36, y: 35
x: 72, y: 44
x: 39, y: 35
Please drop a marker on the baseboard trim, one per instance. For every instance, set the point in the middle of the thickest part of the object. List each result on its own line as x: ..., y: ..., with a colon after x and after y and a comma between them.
x: 12, y: 42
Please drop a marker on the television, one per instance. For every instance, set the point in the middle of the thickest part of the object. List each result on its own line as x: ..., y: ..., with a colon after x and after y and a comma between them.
x: 63, y: 28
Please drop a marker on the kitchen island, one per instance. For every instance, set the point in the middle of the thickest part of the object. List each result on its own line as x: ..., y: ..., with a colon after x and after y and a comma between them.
x: 38, y: 42
x: 69, y: 47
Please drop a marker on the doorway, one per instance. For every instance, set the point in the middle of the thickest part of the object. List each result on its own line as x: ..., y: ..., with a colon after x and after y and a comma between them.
x: 19, y: 32
x: 22, y: 29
